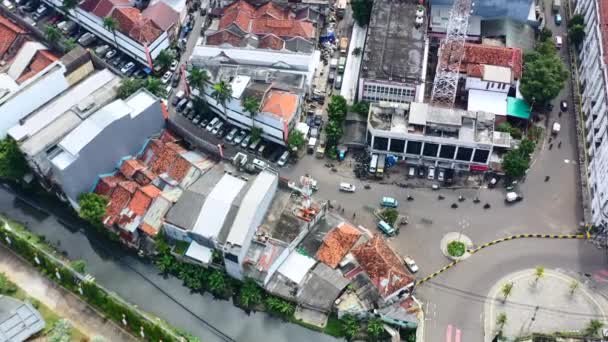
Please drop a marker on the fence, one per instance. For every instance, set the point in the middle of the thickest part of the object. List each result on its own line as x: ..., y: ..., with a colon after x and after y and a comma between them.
x: 111, y: 305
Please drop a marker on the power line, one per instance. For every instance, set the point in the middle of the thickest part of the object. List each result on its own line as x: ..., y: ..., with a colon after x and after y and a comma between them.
x: 483, y: 299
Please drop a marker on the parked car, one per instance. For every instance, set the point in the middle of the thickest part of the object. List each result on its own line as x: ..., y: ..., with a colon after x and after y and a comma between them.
x: 110, y: 54
x: 196, y: 120
x: 212, y: 124
x: 411, y: 172
x: 127, y: 67
x: 347, y: 187
x: 318, y: 121
x: 41, y: 12
x: 237, y: 140
x: 181, y: 105
x: 431, y: 174
x: 139, y: 73
x: 86, y: 39
x: 563, y: 106
x: 9, y: 5
x: 421, y: 172
x: 386, y: 228
x: 117, y: 61
x: 411, y: 264
x: 217, y: 127
x: 180, y: 95
x: 440, y: 176
x: 261, y: 150
x: 102, y: 50
x: 221, y: 131
x: 174, y: 65
x: 389, y: 202
x: 245, y: 141
x: 232, y: 134
x: 558, y: 19
x: 254, y: 145
x: 166, y: 77
x: 283, y: 158
x: 259, y: 164
x: 204, y: 123
x: 175, y: 80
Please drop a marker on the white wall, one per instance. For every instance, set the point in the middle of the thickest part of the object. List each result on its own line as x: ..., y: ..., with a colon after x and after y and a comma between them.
x: 478, y: 83
x: 32, y: 94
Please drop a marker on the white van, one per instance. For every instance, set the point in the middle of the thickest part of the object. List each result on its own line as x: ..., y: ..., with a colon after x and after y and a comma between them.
x: 283, y: 160
x: 212, y: 124
x: 347, y: 187
x: 558, y: 42
x: 431, y: 174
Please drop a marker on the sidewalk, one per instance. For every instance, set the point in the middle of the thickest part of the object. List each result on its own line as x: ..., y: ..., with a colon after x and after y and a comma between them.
x: 543, y: 306
x: 58, y: 299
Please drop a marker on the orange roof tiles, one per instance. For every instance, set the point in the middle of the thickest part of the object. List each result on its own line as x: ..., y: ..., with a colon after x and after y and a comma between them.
x: 239, y: 18
x: 337, y: 243
x: 126, y: 18
x: 384, y: 268
x: 280, y: 103
x: 41, y: 60
x: 223, y: 37
x: 284, y: 28
x: 144, y: 177
x: 120, y: 198
x: 167, y: 157
x: 145, y: 31
x: 148, y: 229
x: 152, y: 151
x: 106, y: 184
x: 143, y: 198
x: 179, y: 169
x: 9, y: 32
x: 271, y: 42
x: 150, y: 191
x: 168, y: 136
x: 162, y: 14
x: 272, y: 10
x: 104, y: 7
x: 130, y: 166
x: 494, y: 55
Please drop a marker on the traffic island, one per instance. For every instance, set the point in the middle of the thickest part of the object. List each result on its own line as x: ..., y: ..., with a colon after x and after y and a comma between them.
x: 456, y: 246
x: 524, y: 303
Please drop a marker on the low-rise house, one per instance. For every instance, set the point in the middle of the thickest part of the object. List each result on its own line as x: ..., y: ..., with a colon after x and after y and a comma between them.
x: 92, y: 148
x: 19, y: 321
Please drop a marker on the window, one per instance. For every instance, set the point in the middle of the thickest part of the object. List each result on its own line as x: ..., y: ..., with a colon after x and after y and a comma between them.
x: 447, y: 151
x: 430, y: 149
x: 464, y: 153
x: 397, y: 145
x: 414, y: 147
x: 231, y: 257
x: 380, y: 143
x: 481, y: 156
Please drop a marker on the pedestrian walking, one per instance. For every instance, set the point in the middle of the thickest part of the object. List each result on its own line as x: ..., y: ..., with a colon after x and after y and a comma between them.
x: 547, y: 178
x: 559, y: 145
x: 354, y: 215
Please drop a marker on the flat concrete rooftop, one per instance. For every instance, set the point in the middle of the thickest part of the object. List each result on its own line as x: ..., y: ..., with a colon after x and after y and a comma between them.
x: 394, y: 48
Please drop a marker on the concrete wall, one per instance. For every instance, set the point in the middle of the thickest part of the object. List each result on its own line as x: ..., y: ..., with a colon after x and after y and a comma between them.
x: 478, y: 83
x: 175, y: 232
x: 122, y: 137
x: 515, y: 9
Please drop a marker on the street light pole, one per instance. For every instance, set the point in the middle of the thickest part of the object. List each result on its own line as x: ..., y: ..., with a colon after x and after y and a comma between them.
x: 464, y: 224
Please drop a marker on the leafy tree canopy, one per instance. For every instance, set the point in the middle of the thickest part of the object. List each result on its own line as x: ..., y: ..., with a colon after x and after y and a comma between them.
x: 362, y: 10
x: 92, y: 207
x: 544, y: 74
x: 296, y: 139
x: 12, y: 163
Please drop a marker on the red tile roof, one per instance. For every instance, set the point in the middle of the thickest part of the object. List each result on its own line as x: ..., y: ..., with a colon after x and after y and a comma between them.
x: 337, y: 243
x: 120, y: 198
x: 145, y: 31
x: 163, y: 15
x: 148, y: 229
x: 89, y: 5
x: 168, y: 136
x: 126, y: 18
x: 384, y: 268
x: 41, y: 60
x: 494, y: 55
x: 180, y: 169
x: 152, y: 151
x: 240, y: 6
x: 475, y: 70
x: 166, y: 158
x: 142, y: 199
x: 273, y: 11
x: 107, y: 184
x: 224, y: 37
x: 271, y: 42
x: 130, y: 166
x: 240, y: 18
x: 280, y: 103
x: 104, y: 7
x: 284, y: 28
x: 9, y: 32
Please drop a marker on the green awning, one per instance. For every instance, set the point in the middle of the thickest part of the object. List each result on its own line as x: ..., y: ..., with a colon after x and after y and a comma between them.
x: 518, y: 108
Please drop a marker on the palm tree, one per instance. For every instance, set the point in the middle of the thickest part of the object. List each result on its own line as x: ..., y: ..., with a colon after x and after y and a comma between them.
x: 155, y: 86
x: 165, y: 57
x: 280, y: 306
x: 111, y: 24
x: 217, y: 282
x: 592, y: 328
x: 222, y: 92
x: 539, y: 272
x: 250, y: 294
x: 375, y: 328
x: 501, y: 320
x: 52, y: 34
x: 574, y: 285
x: 198, y: 78
x: 506, y: 290
x: 251, y: 105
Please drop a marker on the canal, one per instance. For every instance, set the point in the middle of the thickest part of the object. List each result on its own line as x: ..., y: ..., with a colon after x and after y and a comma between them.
x: 139, y: 282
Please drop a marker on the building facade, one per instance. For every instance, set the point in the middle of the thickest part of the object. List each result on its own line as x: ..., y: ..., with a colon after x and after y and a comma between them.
x: 594, y: 92
x: 520, y: 10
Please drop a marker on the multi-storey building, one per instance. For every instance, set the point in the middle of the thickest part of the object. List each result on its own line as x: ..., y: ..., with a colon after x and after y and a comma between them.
x: 594, y: 86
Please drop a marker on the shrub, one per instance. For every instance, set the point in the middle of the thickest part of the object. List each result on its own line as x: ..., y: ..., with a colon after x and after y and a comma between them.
x: 456, y: 248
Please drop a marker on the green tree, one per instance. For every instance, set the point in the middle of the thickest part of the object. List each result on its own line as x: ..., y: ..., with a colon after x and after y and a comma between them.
x: 362, y: 10
x: 504, y: 127
x: 256, y: 133
x: 544, y: 74
x: 390, y: 215
x: 155, y: 86
x: 165, y: 263
x: 539, y: 272
x: 350, y: 326
x: 111, y: 25
x: 79, y: 265
x: 12, y: 163
x: 516, y: 133
x: 501, y: 320
x: 593, y: 327
x: 361, y: 108
x: 128, y: 86
x: 574, y: 285
x: 222, y: 92
x: 577, y: 19
x: 280, y: 306
x: 69, y: 43
x: 92, y: 207
x: 217, y: 282
x: 526, y: 147
x: 357, y: 51
x: 250, y: 294
x: 506, y: 290
x: 62, y: 331
x: 7, y: 287
x: 375, y: 328
x: 337, y: 108
x: 198, y: 78
x: 576, y: 34
x: 514, y: 164
x: 165, y: 57
x: 251, y: 105
x: 545, y: 34
x: 52, y: 34
x: 333, y: 132
x: 295, y: 139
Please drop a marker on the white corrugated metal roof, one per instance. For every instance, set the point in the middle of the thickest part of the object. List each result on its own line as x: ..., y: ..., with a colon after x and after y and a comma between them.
x: 200, y: 253
x: 299, y: 61
x: 249, y: 207
x: 296, y: 266
x: 70, y: 98
x: 140, y: 101
x: 487, y: 101
x: 497, y: 74
x: 95, y: 124
x: 23, y: 58
x: 217, y: 205
x: 238, y: 85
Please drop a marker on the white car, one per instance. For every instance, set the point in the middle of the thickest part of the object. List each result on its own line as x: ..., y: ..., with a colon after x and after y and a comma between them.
x: 347, y: 187
x: 259, y: 164
x: 174, y: 65
x: 440, y: 176
x: 125, y: 69
x: 237, y: 140
x: 431, y: 173
x: 411, y: 264
x: 231, y: 134
x: 166, y: 77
